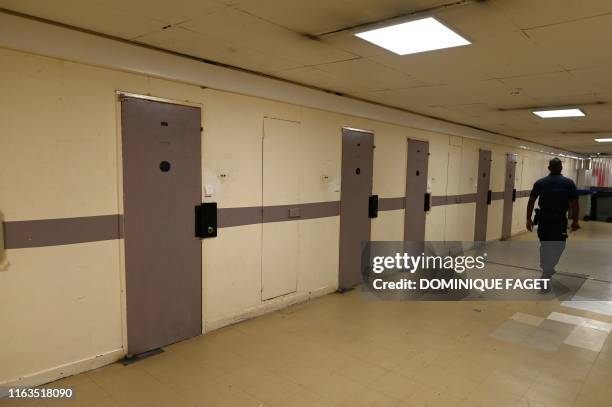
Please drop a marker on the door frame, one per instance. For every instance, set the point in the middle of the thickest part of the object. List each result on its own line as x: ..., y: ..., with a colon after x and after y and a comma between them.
x: 119, y: 168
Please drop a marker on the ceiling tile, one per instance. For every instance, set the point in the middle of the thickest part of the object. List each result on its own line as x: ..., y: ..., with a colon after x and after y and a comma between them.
x: 530, y: 13
x: 502, y: 56
x: 170, y: 12
x: 312, y: 17
x: 479, y: 20
x: 312, y: 77
x: 599, y: 79
x: 468, y: 93
x: 88, y: 15
x: 379, y: 9
x: 367, y: 75
x: 577, y: 44
x: 557, y: 87
x: 191, y: 43
x: 249, y: 31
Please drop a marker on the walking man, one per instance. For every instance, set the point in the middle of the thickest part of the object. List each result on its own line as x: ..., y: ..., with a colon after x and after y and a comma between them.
x: 556, y: 193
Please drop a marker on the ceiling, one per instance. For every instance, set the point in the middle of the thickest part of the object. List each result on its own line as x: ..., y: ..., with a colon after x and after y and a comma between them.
x: 524, y: 54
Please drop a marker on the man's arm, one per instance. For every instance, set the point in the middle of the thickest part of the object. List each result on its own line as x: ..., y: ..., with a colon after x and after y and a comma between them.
x: 533, y: 195
x: 575, y: 214
x: 530, y: 205
x: 575, y: 207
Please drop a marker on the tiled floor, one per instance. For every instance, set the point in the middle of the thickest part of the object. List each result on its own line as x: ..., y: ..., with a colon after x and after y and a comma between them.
x: 345, y: 350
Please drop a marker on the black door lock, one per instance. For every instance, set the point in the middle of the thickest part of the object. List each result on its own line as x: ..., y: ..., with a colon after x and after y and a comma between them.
x: 373, y: 206
x: 206, y: 220
x: 427, y: 203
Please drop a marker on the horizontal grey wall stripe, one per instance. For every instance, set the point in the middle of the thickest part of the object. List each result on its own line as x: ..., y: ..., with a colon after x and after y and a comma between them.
x: 391, y: 204
x: 313, y: 210
x: 54, y: 232
x: 228, y: 217
x: 460, y: 199
x: 497, y: 195
x: 438, y: 200
x: 523, y: 194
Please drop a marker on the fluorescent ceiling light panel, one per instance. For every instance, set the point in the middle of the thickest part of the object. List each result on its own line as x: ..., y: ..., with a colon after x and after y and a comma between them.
x: 603, y: 140
x: 422, y: 35
x: 549, y: 114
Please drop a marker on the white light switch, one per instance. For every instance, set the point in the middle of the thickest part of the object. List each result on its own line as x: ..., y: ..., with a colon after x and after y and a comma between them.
x: 209, y: 191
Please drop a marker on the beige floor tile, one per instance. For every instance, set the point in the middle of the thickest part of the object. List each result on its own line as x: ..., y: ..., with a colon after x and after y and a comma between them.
x: 607, y: 346
x: 20, y: 403
x: 428, y: 396
x: 334, y: 388
x: 604, y: 362
x: 459, y: 386
x: 508, y: 382
x: 250, y: 376
x: 303, y: 398
x: 589, y: 400
x: 207, y: 393
x: 525, y: 402
x: 369, y: 398
x: 273, y: 390
x: 361, y: 372
x: 395, y: 385
x: 550, y: 391
x: 528, y: 319
x: 587, y: 338
x: 240, y: 399
x: 130, y: 386
x: 488, y: 395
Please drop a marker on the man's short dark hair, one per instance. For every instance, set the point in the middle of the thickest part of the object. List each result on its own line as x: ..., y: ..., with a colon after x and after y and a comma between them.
x: 554, y: 162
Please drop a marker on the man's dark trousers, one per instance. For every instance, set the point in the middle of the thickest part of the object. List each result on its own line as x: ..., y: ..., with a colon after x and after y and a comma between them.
x: 552, y: 232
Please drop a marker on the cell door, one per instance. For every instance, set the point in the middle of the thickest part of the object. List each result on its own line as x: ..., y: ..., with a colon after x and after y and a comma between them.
x: 482, y: 195
x: 416, y: 190
x: 357, y: 163
x: 509, y: 196
x: 161, y: 187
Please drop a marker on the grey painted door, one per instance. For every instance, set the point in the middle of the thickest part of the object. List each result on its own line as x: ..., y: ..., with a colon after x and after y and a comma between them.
x: 357, y: 162
x: 482, y: 193
x: 416, y: 188
x: 511, y: 160
x: 161, y: 187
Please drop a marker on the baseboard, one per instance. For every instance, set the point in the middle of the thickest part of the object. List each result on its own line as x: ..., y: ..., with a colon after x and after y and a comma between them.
x: 268, y: 306
x: 59, y: 372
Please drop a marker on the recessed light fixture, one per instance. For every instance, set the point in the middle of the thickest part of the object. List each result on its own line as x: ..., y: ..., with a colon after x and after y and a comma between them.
x: 603, y: 140
x: 549, y: 114
x: 415, y: 36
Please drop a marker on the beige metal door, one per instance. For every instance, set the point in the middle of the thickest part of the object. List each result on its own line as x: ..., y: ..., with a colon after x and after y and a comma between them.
x: 280, y: 186
x: 161, y: 187
x: 357, y: 163
x: 416, y: 188
x: 482, y: 195
x: 509, y: 196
